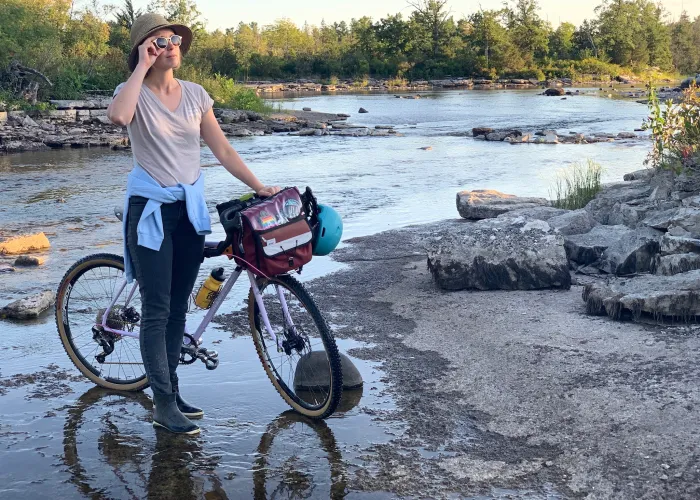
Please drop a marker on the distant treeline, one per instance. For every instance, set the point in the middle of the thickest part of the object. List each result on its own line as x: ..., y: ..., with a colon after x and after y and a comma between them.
x: 86, y: 50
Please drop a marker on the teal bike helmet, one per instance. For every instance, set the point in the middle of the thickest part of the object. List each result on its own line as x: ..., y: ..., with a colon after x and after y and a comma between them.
x: 328, y: 231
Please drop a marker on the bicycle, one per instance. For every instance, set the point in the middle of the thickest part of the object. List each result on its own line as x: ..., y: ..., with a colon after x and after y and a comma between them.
x: 97, y: 316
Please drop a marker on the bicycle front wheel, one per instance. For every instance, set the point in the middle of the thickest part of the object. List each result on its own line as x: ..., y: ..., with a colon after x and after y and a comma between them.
x: 303, y: 363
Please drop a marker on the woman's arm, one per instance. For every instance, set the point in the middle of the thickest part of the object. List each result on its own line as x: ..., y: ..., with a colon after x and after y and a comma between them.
x: 216, y: 140
x: 123, y: 106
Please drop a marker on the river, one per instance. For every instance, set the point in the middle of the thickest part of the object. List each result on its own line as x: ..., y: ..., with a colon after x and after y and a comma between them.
x: 375, y: 183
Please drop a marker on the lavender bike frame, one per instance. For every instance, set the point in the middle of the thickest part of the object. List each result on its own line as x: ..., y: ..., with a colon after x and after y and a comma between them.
x: 228, y: 285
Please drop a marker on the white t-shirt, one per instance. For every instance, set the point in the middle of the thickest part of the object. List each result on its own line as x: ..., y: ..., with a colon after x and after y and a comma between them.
x: 166, y: 143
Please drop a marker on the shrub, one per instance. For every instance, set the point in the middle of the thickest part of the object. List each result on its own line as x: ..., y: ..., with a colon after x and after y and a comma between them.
x: 576, y: 185
x: 675, y: 130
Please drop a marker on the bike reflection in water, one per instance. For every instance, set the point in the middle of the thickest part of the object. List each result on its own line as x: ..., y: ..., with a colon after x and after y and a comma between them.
x: 296, y: 457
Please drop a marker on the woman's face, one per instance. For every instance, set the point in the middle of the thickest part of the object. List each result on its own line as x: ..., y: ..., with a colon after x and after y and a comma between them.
x: 171, y: 57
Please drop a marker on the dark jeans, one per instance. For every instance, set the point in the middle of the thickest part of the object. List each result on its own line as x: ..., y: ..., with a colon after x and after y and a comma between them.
x: 166, y: 278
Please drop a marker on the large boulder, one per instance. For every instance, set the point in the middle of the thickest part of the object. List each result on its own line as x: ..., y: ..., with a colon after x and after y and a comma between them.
x: 574, y: 222
x: 29, y: 307
x: 585, y: 249
x: 633, y: 253
x: 499, y: 254
x: 487, y: 204
x: 639, y: 175
x: 554, y: 92
x: 672, y: 297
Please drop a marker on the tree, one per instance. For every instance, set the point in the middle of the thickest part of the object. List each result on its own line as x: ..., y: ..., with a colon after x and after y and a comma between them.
x: 434, y: 20
x: 126, y: 16
x: 489, y: 38
x: 684, y: 48
x: 527, y: 30
x: 181, y: 12
x: 561, y: 42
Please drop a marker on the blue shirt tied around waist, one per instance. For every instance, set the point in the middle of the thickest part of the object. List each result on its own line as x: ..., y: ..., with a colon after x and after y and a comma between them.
x: 150, y: 227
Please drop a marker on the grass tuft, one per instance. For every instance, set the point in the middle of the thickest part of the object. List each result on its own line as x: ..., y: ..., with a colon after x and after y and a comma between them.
x: 576, y: 185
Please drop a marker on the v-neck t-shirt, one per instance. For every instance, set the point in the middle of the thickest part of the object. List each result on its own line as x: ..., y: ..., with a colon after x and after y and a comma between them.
x: 166, y: 143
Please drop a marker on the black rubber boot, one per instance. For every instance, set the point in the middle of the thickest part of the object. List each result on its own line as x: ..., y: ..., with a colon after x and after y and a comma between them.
x: 167, y: 416
x: 187, y: 409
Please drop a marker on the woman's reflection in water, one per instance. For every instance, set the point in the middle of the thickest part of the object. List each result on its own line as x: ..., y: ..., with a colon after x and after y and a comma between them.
x: 176, y: 467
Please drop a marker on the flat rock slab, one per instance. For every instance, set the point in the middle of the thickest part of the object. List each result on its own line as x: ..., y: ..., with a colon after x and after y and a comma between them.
x: 538, y: 212
x: 487, y: 204
x: 29, y: 307
x: 500, y: 254
x: 673, y: 297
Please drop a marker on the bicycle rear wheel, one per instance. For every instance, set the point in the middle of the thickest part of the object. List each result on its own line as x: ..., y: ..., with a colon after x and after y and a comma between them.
x: 85, y: 293
x: 304, y: 364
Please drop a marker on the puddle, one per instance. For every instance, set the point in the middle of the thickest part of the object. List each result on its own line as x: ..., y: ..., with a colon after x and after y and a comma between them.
x: 83, y: 441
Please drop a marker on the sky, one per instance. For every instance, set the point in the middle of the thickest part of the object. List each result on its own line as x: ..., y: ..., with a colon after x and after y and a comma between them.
x: 225, y: 14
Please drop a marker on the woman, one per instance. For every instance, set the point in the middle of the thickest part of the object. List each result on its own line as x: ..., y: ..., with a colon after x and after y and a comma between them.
x: 165, y: 214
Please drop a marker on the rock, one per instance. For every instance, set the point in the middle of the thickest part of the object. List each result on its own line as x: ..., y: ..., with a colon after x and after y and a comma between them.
x: 426, y: 148
x: 499, y: 254
x: 523, y: 139
x: 306, y: 109
x: 633, y: 253
x: 668, y: 265
x: 77, y: 131
x: 686, y: 83
x: 588, y: 248
x: 232, y: 116
x: 574, y: 222
x: 28, y: 122
x: 686, y: 218
x: 29, y: 307
x: 604, y: 204
x: 29, y: 261
x: 6, y: 268
x: 644, y: 174
x: 363, y: 110
x: 24, y: 244
x: 551, y: 139
x: 486, y: 203
x: 477, y: 131
x: 538, y: 212
x: 554, y: 92
x: 542, y: 133
x: 312, y: 372
x: 101, y: 120
x: 307, y: 132
x: 502, y: 134
x: 675, y: 297
x: 626, y: 135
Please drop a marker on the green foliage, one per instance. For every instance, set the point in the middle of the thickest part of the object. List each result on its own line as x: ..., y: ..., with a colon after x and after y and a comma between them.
x: 85, y: 50
x: 226, y: 93
x: 675, y: 129
x: 576, y: 185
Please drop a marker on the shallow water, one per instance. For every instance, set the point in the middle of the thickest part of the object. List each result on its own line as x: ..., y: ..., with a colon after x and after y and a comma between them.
x: 62, y: 438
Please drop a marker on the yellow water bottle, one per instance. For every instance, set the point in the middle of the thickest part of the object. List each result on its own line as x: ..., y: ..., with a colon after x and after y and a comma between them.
x: 210, y: 288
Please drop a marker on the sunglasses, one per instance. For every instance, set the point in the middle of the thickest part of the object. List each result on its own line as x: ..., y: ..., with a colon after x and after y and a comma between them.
x: 162, y: 42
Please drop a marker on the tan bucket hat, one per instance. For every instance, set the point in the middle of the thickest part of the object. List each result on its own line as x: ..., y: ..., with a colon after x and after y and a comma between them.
x: 145, y: 25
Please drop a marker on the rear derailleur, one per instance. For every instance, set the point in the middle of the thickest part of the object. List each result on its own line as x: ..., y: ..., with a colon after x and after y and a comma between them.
x: 191, y: 352
x: 105, y: 340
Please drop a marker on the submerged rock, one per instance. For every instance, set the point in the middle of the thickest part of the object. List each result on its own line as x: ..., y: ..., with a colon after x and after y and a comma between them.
x: 29, y: 307
x: 500, y: 254
x: 487, y: 204
x: 675, y: 297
